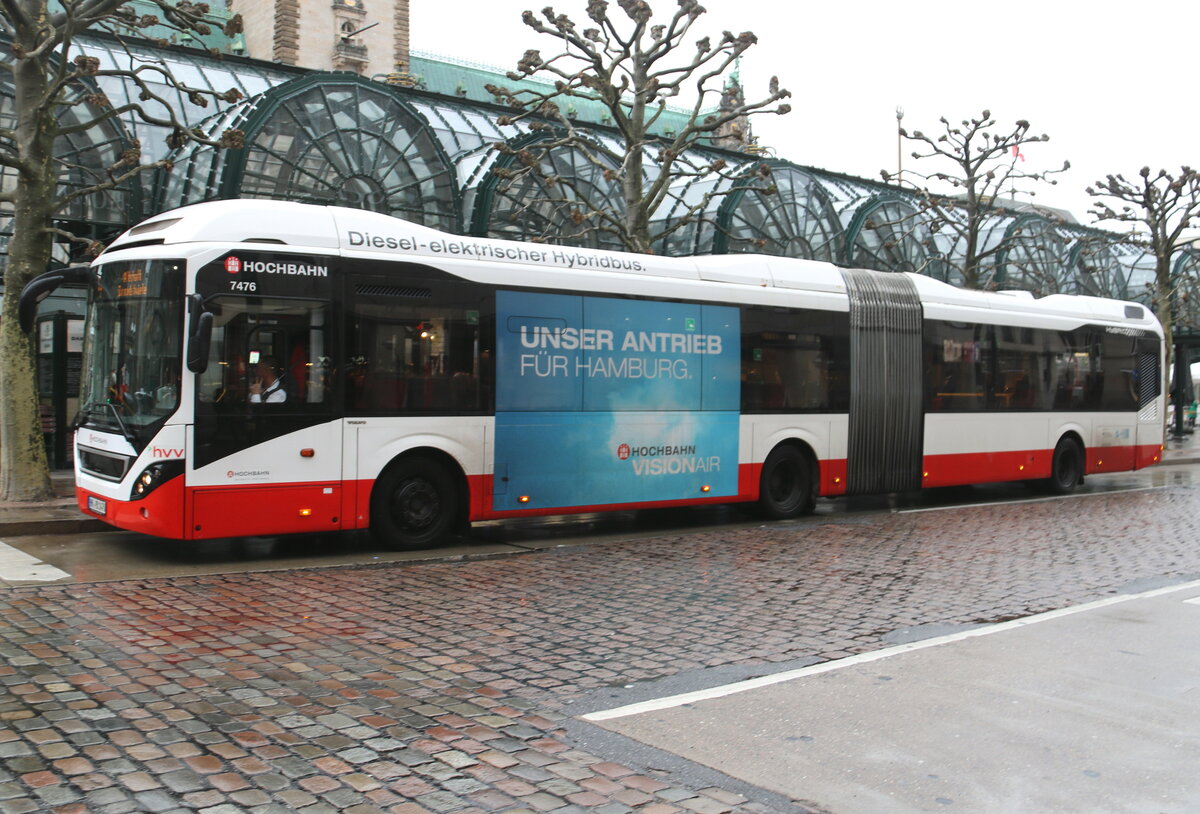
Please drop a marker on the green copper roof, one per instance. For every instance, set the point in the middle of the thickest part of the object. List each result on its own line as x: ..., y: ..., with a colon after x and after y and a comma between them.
x: 466, y: 80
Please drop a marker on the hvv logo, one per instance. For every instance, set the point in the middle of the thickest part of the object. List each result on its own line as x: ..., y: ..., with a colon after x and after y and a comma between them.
x: 159, y: 452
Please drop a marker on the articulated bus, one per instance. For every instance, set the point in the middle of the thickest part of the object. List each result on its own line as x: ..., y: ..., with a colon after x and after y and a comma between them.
x: 263, y: 368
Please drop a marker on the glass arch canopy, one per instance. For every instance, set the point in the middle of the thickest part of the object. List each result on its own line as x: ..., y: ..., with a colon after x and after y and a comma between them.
x: 1033, y: 257
x: 796, y: 219
x: 1186, y: 300
x: 1094, y: 268
x: 556, y: 205
x: 83, y: 156
x: 887, y: 234
x: 423, y: 156
x: 335, y: 140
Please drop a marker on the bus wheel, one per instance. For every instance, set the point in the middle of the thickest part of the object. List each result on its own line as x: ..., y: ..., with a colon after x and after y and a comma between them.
x: 414, y: 504
x: 786, y: 486
x: 1066, y: 469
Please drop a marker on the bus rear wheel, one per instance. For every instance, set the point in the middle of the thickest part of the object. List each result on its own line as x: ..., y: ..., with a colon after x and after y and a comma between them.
x: 786, y: 484
x: 1066, y: 468
x: 414, y: 505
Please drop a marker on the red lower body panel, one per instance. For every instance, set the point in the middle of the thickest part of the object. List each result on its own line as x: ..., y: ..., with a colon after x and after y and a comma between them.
x: 261, y: 510
x: 202, y: 513
x: 1148, y: 455
x: 985, y: 467
x: 996, y: 467
x: 206, y: 512
x: 159, y: 513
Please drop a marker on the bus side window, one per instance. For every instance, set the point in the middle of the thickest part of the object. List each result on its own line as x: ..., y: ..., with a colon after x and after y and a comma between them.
x: 791, y: 359
x: 418, y: 348
x: 958, y: 367
x: 287, y: 336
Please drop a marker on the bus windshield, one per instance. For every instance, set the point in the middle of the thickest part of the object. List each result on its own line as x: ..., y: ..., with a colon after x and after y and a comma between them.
x: 133, y: 342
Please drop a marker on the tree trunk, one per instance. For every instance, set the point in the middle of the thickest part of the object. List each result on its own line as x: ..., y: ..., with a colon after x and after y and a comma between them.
x: 24, y: 470
x: 637, y: 218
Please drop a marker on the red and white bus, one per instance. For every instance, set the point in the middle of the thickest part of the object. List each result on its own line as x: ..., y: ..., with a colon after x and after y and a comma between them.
x: 262, y: 367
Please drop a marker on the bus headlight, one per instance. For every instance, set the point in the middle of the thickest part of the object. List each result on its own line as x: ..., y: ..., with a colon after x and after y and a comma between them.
x: 155, y: 476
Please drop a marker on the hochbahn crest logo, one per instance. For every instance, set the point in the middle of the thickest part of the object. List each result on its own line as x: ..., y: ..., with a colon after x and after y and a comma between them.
x: 233, y: 265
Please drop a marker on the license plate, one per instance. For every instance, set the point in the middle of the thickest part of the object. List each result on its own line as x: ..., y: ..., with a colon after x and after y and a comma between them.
x: 96, y: 505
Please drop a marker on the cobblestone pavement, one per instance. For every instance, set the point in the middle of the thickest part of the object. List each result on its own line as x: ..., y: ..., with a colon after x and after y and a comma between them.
x: 447, y: 686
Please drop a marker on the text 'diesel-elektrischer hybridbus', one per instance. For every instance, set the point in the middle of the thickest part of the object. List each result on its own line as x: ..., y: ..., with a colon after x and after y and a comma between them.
x: 262, y: 368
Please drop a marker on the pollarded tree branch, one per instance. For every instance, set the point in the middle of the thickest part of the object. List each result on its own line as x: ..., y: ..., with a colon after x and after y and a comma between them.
x: 984, y: 164
x: 624, y: 66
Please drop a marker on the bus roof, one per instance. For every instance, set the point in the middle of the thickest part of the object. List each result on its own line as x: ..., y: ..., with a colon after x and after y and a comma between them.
x: 361, y: 233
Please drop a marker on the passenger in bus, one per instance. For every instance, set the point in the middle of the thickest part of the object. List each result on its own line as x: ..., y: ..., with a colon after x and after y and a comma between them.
x: 167, y: 394
x: 463, y: 390
x: 268, y: 386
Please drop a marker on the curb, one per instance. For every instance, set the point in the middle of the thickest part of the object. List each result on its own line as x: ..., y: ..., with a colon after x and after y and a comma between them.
x: 66, y: 525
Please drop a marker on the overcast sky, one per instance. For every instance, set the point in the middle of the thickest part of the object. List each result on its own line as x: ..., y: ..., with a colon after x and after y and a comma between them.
x: 1111, y: 83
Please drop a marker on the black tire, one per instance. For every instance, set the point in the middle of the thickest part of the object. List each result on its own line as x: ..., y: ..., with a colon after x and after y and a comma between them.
x: 414, y: 504
x: 1066, y: 468
x: 785, y: 488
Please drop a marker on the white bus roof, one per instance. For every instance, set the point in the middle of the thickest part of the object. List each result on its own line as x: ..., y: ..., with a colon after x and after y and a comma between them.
x: 361, y: 233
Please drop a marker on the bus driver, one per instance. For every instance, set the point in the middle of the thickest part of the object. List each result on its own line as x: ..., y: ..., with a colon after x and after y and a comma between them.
x: 267, y: 386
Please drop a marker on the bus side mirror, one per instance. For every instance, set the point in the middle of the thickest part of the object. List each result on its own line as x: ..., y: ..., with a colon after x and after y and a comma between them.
x: 199, y: 335
x: 43, y: 286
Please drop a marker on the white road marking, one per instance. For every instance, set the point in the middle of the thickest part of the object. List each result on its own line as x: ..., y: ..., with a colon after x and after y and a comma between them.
x: 17, y: 566
x: 1027, y: 500
x: 672, y: 701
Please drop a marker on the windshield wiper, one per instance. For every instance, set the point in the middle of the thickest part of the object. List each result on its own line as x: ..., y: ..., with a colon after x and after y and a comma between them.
x: 120, y: 422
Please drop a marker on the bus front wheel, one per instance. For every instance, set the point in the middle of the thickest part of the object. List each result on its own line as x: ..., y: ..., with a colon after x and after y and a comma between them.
x: 1066, y: 468
x: 786, y: 485
x: 414, y: 504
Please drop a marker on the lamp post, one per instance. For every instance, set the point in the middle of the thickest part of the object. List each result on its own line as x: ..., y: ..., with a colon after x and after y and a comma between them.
x: 899, y: 142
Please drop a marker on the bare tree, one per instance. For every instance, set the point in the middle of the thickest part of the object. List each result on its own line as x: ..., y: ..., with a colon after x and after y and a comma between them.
x: 973, y: 167
x: 50, y: 78
x: 1159, y: 207
x: 633, y: 68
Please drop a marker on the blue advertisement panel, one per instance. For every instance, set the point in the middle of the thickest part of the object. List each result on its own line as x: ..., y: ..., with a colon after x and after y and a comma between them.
x: 602, y: 400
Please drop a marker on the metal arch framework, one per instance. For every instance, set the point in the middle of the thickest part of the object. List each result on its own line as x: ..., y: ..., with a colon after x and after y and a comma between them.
x: 341, y: 139
x: 337, y: 138
x: 83, y: 157
x: 324, y: 138
x: 196, y: 168
x: 1094, y: 269
x: 797, y: 219
x: 1186, y: 299
x: 529, y: 208
x: 698, y: 235
x: 193, y: 67
x: 886, y: 234
x: 1032, y: 256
